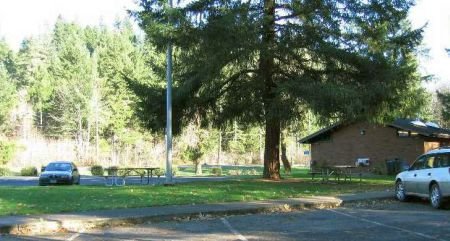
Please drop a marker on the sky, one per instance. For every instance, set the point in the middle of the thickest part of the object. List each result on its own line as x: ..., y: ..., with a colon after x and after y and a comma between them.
x: 23, y: 18
x: 436, y: 14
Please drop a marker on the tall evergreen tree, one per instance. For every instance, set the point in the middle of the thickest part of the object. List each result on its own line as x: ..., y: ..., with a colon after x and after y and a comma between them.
x: 260, y: 60
x: 7, y: 86
x: 33, y: 60
x: 71, y: 70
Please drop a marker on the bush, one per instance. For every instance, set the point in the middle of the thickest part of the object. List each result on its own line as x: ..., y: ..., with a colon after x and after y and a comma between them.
x: 29, y: 171
x: 253, y: 172
x: 160, y: 172
x: 236, y: 172
x: 97, y: 170
x: 4, y: 171
x: 217, y: 171
x: 174, y: 170
x: 113, y: 170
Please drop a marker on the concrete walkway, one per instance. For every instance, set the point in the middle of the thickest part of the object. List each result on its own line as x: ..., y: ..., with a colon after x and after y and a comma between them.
x: 75, y: 222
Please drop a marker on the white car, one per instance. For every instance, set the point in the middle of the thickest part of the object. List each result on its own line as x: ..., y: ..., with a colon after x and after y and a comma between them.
x: 428, y: 177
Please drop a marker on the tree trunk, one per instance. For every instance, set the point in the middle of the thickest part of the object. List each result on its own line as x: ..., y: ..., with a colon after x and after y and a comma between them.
x: 219, y: 147
x: 80, y: 134
x: 266, y: 66
x: 87, y: 151
x: 198, y: 167
x: 284, y: 159
x: 272, y: 150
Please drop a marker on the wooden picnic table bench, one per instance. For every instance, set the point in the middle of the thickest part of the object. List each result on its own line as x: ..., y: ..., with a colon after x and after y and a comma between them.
x: 118, y: 175
x: 346, y: 172
x: 337, y: 171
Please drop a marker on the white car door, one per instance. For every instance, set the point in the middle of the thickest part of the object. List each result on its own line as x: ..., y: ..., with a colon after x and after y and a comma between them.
x: 425, y: 175
x: 410, y: 178
x: 441, y: 172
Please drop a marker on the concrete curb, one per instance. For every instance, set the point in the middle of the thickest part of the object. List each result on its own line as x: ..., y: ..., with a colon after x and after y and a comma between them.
x: 110, y: 218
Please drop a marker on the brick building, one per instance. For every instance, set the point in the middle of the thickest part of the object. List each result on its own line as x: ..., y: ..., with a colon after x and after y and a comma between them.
x: 344, y: 144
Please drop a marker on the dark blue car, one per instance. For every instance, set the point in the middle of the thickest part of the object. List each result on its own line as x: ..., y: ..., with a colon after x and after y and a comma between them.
x: 59, y: 172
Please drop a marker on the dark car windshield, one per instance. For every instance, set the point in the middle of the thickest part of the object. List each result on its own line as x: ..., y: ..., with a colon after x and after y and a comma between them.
x: 58, y: 167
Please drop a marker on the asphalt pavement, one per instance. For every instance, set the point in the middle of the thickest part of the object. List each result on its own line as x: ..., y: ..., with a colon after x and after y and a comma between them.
x: 366, y: 220
x: 78, y: 221
x: 95, y: 180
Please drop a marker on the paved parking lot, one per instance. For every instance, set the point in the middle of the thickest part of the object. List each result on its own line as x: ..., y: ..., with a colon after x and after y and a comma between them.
x: 371, y: 220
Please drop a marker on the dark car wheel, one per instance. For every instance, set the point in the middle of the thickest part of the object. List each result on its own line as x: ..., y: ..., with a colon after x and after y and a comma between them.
x: 400, y: 192
x: 435, y: 196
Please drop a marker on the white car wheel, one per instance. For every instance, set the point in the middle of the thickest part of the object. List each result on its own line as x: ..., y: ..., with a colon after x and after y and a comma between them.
x: 400, y: 192
x: 435, y: 196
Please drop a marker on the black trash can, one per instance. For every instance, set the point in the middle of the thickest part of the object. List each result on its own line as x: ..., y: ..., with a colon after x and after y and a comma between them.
x: 395, y: 166
x: 390, y: 167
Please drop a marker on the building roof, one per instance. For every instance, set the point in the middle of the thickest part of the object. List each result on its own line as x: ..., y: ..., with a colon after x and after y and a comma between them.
x: 321, y: 133
x: 424, y: 129
x: 428, y: 129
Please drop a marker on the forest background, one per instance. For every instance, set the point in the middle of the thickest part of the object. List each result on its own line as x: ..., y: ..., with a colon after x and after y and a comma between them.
x: 65, y: 96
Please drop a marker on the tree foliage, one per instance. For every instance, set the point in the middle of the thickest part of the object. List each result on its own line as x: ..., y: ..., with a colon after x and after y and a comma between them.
x: 7, y: 85
x: 265, y: 61
x: 75, y: 78
x: 444, y: 99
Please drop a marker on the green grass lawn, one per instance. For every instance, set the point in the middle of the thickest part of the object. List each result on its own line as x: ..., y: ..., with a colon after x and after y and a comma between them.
x: 57, y: 199
x: 226, y: 171
x: 255, y: 172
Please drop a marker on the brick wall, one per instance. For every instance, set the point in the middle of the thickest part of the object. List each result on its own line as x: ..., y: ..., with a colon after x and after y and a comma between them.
x: 378, y: 143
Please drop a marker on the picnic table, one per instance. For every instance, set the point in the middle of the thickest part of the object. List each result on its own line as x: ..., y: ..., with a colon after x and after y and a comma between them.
x: 117, y: 175
x: 336, y: 171
x: 344, y: 171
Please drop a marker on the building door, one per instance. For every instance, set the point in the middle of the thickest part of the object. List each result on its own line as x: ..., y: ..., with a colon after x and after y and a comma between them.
x: 430, y: 145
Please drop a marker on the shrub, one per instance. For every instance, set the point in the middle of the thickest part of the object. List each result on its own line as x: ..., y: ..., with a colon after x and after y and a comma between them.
x: 174, y: 170
x: 235, y: 172
x: 97, y: 170
x: 217, y: 171
x: 29, y: 171
x: 160, y: 172
x: 112, y: 170
x: 4, y: 171
x: 252, y: 172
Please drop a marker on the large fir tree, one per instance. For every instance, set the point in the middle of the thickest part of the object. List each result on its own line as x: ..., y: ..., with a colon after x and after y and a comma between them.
x: 264, y: 61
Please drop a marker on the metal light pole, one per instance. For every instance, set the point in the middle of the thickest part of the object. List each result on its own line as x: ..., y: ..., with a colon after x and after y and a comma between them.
x: 169, y: 111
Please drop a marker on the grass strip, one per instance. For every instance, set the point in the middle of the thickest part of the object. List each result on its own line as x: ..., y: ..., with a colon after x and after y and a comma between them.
x: 59, y: 199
